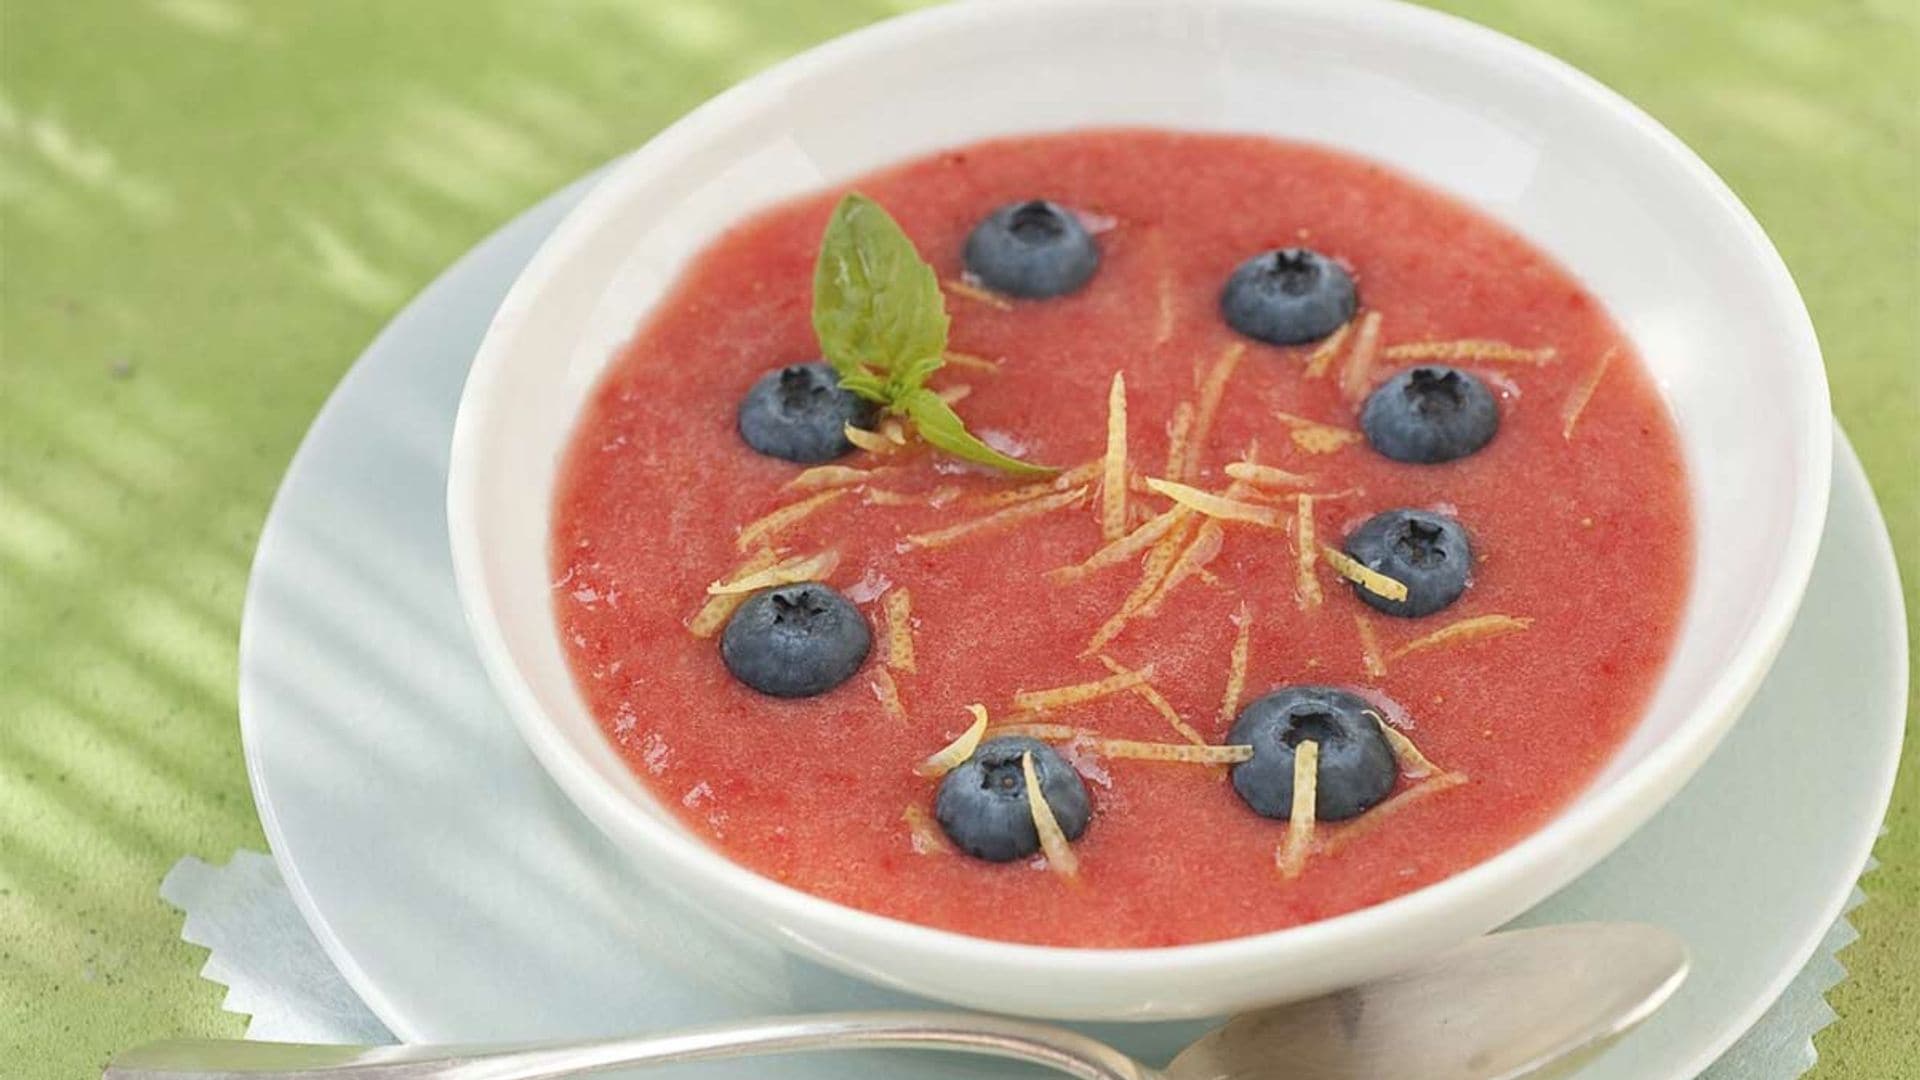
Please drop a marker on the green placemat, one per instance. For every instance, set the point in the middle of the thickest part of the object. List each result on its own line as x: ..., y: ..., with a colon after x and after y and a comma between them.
x: 207, y: 207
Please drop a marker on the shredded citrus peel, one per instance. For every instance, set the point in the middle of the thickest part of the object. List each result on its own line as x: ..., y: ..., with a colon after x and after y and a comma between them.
x: 786, y: 572
x: 718, y: 608
x: 1470, y: 349
x: 1163, y: 290
x: 990, y: 500
x: 1143, y: 536
x: 755, y: 533
x: 923, y: 833
x: 1363, y: 575
x: 1147, y: 692
x: 1160, y: 559
x: 1159, y: 563
x: 1182, y: 753
x: 898, y: 605
x: 1041, y: 730
x: 1370, y: 656
x: 975, y: 293
x: 1179, y: 431
x: 873, y: 442
x: 1061, y: 697
x: 1113, y: 474
x: 1186, y: 753
x: 972, y: 362
x: 1582, y: 394
x: 1068, y: 479
x: 1477, y: 628
x: 1292, y: 856
x: 821, y: 477
x: 887, y: 692
x: 1315, y: 437
x: 1306, y: 589
x: 1192, y: 562
x: 948, y: 757
x: 1237, y: 665
x: 1079, y: 474
x: 1212, y: 505
x: 1212, y: 390
x: 1282, y: 498
x: 1053, y: 840
x: 1266, y: 476
x: 1356, y: 378
x: 1353, y: 830
x: 1414, y: 765
x: 1320, y: 361
x: 999, y: 519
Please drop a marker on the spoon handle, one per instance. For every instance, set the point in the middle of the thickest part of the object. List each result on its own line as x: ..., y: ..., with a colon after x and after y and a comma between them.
x: 212, y: 1059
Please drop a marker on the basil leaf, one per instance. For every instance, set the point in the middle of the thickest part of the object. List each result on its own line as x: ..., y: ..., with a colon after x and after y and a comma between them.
x: 943, y: 428
x: 876, y: 303
x: 913, y: 376
x: 871, y: 387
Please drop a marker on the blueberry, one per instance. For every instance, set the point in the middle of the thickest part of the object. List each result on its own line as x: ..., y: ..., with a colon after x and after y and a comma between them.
x: 1288, y: 296
x: 795, y: 640
x: 1032, y: 249
x: 982, y: 805
x: 1357, y: 767
x: 800, y: 413
x: 1426, y: 415
x: 1427, y: 552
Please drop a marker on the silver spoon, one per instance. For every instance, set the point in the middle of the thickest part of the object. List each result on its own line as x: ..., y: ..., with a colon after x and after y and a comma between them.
x: 1528, y: 1003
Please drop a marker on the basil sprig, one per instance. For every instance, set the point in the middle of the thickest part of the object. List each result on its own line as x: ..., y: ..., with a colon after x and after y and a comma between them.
x: 882, y: 324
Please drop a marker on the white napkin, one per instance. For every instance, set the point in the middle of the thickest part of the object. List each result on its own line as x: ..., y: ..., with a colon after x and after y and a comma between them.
x: 263, y: 952
x: 276, y: 972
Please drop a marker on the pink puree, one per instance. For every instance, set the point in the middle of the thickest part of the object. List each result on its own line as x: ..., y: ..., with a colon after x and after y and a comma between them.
x: 1590, y: 538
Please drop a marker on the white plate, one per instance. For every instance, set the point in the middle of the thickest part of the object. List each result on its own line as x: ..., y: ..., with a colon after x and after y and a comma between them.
x: 464, y: 897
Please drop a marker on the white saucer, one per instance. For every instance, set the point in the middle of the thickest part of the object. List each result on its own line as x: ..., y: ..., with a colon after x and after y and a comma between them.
x: 465, y: 899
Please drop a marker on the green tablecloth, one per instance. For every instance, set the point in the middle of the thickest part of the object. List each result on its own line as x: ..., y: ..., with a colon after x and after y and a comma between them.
x: 210, y: 206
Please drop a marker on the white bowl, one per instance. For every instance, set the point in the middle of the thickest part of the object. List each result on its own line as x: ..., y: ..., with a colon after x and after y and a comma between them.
x: 1648, y: 228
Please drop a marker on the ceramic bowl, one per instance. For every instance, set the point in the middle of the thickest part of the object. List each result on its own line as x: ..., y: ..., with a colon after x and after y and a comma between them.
x: 1644, y: 223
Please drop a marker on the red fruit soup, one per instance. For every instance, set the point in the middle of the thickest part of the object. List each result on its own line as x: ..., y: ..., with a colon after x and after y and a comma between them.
x: 975, y: 583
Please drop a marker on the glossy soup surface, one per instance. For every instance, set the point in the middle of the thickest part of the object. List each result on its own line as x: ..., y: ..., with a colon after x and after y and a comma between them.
x: 1582, y: 529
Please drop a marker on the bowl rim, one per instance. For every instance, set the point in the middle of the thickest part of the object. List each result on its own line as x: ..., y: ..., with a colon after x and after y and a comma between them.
x: 1554, y: 853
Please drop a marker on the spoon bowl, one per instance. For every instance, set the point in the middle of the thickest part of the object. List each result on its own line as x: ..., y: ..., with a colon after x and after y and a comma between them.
x: 1565, y: 993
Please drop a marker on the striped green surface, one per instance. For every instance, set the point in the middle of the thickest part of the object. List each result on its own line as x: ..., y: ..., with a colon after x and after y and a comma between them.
x: 208, y: 207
